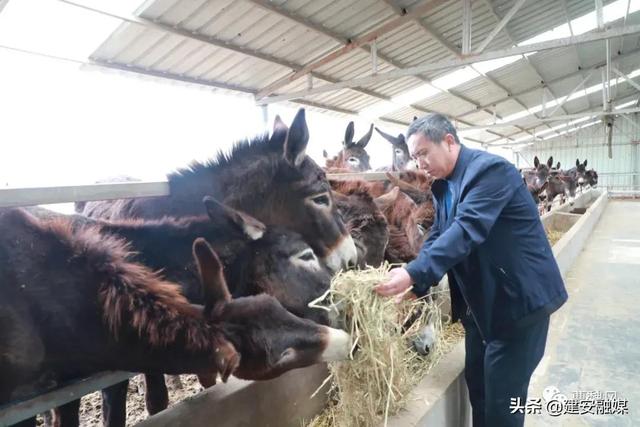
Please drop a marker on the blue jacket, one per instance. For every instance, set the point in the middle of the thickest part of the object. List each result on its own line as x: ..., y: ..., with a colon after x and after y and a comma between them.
x: 493, y: 247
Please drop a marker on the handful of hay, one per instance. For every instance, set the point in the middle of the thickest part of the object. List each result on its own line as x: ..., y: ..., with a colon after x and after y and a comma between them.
x: 384, y: 368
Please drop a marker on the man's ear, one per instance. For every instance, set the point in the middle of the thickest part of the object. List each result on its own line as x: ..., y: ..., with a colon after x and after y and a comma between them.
x: 450, y: 140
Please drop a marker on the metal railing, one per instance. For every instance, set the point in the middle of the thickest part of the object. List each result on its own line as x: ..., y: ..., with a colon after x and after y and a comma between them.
x: 30, y: 196
x: 620, y: 181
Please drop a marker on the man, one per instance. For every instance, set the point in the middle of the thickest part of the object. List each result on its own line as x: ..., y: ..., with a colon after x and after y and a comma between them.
x: 487, y: 236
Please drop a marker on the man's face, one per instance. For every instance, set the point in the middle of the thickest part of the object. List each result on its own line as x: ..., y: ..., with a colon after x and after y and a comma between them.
x: 437, y: 159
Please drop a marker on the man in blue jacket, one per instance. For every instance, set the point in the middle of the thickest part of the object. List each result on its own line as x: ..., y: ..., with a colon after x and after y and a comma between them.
x: 488, y: 238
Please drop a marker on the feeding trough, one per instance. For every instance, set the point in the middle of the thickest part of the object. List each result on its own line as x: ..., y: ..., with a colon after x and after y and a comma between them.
x: 440, y: 397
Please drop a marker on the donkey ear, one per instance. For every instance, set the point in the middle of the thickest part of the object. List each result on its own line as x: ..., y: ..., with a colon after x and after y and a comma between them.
x: 278, y: 125
x: 387, y: 199
x: 558, y: 165
x: 250, y: 226
x: 325, y: 154
x: 415, y: 118
x: 214, y: 286
x: 366, y: 138
x: 550, y: 162
x: 536, y: 161
x: 348, y: 135
x: 577, y: 162
x: 585, y: 163
x: 544, y: 186
x: 295, y: 144
x: 392, y: 139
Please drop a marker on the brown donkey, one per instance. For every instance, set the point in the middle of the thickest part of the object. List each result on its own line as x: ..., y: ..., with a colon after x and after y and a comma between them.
x: 269, y: 177
x: 73, y: 304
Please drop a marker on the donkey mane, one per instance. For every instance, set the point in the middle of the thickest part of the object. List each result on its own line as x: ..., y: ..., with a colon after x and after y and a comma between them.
x: 352, y: 187
x: 131, y: 295
x: 257, y: 148
x: 165, y: 224
x: 401, y: 208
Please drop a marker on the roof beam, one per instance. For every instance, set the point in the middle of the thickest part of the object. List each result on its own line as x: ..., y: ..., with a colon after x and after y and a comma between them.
x: 560, y: 118
x: 513, y: 42
x: 163, y: 75
x: 444, y: 43
x: 556, y: 80
x: 470, y: 59
x: 467, y: 18
x: 353, y: 44
x: 3, y: 3
x: 505, y: 19
x: 367, y: 48
x: 575, y: 89
x: 626, y: 78
x: 425, y: 27
x: 133, y: 69
x: 599, y: 15
x: 210, y: 41
x: 587, y: 110
x: 565, y: 9
x: 193, y: 35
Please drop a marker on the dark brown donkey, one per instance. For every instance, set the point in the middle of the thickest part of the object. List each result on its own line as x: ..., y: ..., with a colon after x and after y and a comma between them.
x: 270, y: 178
x: 353, y: 157
x: 257, y: 259
x: 73, y: 304
x: 364, y: 220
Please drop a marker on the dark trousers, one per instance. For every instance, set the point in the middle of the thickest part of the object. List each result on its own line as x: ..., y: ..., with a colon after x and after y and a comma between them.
x: 501, y: 370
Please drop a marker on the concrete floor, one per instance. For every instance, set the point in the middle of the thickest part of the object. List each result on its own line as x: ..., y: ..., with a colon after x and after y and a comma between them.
x: 594, y: 339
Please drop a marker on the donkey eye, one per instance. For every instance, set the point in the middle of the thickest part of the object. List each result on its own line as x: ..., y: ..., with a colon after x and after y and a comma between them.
x: 353, y: 161
x: 321, y: 200
x: 398, y: 152
x: 306, y: 259
x: 421, y: 229
x: 307, y: 256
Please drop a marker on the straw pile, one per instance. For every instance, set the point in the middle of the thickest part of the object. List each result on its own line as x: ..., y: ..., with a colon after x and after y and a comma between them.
x: 376, y: 383
x: 554, y: 236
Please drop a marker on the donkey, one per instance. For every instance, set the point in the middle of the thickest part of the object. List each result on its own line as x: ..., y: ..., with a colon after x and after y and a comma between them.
x: 96, y: 310
x: 405, y: 233
x: 581, y: 173
x: 572, y: 178
x: 400, y: 156
x: 591, y: 176
x: 268, y: 177
x: 536, y: 179
x: 353, y: 157
x: 258, y: 259
x: 537, y: 176
x: 364, y: 220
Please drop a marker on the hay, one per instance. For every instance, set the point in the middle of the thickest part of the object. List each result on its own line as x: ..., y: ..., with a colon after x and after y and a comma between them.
x: 376, y: 383
x: 553, y: 236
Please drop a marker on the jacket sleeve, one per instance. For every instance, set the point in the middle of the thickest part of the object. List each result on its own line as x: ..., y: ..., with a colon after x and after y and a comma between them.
x: 488, y: 194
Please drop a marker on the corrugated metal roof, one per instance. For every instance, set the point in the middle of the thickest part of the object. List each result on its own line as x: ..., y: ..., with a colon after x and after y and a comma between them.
x: 517, y: 76
x: 253, y: 43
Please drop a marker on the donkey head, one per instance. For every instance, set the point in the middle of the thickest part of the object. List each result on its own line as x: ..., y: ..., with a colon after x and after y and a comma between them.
x: 269, y: 339
x: 401, y: 156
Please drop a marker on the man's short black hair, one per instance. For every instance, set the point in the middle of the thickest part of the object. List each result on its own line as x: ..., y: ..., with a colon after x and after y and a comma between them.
x: 434, y: 126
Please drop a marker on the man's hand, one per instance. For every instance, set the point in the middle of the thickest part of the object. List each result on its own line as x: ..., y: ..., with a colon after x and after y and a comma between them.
x: 398, y: 281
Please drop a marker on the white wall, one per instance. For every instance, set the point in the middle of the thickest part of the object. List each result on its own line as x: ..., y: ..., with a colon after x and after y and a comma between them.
x: 589, y: 143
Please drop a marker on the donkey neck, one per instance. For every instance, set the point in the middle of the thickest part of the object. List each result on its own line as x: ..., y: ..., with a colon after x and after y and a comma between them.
x: 166, y: 245
x: 176, y: 356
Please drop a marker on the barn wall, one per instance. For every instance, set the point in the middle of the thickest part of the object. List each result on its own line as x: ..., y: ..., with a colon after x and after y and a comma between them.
x: 621, y: 172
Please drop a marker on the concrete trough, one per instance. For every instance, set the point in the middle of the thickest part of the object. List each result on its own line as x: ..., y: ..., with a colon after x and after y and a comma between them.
x: 440, y: 399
